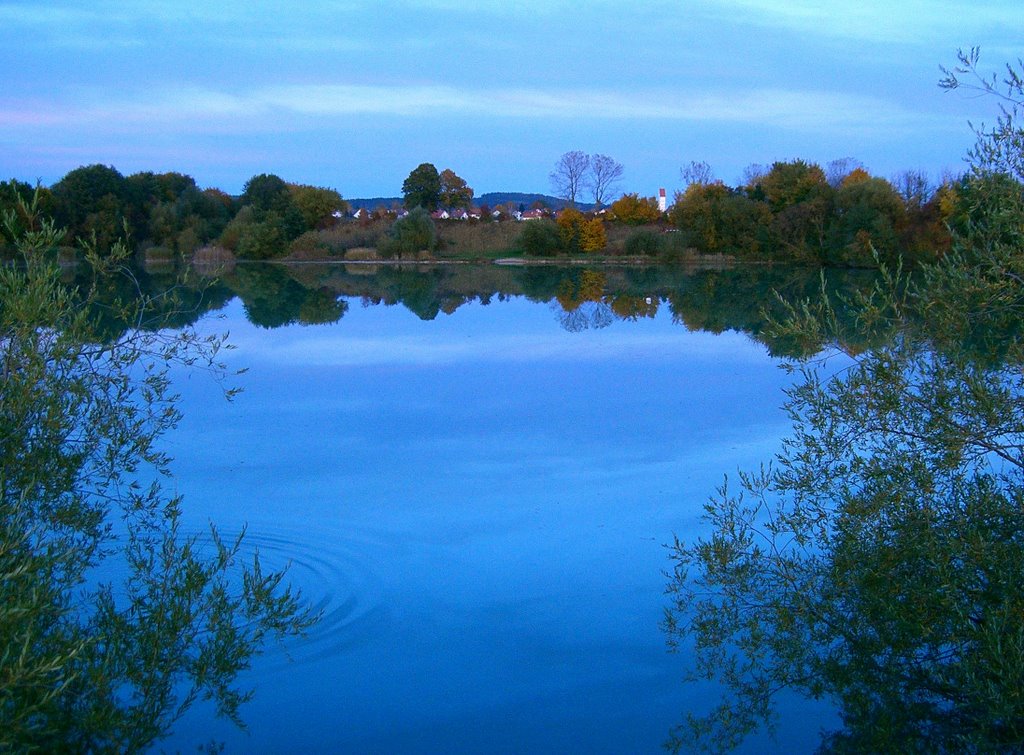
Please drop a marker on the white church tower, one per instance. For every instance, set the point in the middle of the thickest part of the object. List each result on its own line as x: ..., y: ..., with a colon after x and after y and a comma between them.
x: 662, y: 202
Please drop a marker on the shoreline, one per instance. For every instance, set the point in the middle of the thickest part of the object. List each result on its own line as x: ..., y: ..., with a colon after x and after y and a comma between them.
x: 701, y: 261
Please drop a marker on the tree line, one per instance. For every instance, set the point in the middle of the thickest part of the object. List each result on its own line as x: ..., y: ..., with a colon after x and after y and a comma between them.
x: 168, y: 212
x: 796, y: 210
x: 793, y: 211
x: 789, y: 211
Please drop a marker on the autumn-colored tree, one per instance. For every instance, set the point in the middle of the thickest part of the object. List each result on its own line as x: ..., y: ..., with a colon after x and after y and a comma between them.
x: 714, y: 220
x: 592, y: 236
x: 455, y: 192
x: 632, y: 209
x: 855, y: 176
x: 948, y: 198
x: 630, y: 307
x: 925, y: 234
x: 838, y: 169
x: 570, y: 228
x: 789, y: 183
x: 799, y: 196
x: 584, y: 286
x: 930, y: 214
x: 697, y: 213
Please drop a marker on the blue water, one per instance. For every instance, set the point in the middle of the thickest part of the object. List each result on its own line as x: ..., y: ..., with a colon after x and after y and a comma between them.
x: 480, y: 505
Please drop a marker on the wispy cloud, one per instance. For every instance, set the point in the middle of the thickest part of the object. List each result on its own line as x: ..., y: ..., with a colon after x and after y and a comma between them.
x: 108, y: 12
x: 791, y: 109
x: 103, y: 24
x: 882, y: 21
x: 42, y: 15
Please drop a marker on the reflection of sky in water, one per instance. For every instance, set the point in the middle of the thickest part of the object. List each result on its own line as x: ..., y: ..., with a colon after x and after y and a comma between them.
x: 480, y: 503
x: 522, y: 332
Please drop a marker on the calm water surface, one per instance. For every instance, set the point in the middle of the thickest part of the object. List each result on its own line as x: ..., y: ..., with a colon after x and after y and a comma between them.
x: 480, y: 505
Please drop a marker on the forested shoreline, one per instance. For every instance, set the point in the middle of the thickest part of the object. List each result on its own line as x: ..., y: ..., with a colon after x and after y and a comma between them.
x: 734, y: 298
x: 792, y: 211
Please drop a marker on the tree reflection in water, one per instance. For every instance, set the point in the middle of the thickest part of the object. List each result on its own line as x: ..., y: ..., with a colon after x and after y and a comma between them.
x: 716, y: 300
x: 878, y: 561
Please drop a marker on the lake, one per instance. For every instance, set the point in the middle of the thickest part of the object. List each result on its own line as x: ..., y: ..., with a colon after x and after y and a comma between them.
x: 480, y: 503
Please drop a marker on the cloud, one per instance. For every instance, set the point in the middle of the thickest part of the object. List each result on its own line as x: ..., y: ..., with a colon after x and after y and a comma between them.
x: 45, y: 16
x: 101, y: 25
x: 75, y: 22
x: 67, y: 26
x: 881, y: 21
x: 113, y: 13
x: 277, y: 107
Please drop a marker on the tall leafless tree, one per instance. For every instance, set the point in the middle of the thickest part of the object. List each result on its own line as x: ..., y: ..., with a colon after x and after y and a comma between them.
x: 697, y: 172
x: 839, y: 169
x: 753, y: 174
x: 913, y: 186
x: 569, y: 173
x: 605, y: 174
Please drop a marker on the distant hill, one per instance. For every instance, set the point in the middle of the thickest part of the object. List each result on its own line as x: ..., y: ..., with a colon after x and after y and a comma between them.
x: 491, y: 199
x: 371, y: 203
x: 495, y: 198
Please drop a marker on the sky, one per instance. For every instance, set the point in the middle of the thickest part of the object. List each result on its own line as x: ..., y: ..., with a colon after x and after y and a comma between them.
x: 353, y: 95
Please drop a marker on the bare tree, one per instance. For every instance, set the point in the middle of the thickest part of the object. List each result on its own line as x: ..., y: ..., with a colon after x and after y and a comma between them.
x: 605, y: 173
x: 753, y: 174
x: 839, y: 169
x: 697, y: 172
x: 568, y: 176
x: 913, y: 186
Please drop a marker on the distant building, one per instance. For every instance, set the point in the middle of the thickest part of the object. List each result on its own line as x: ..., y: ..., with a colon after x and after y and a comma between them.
x: 662, y: 202
x: 457, y: 214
